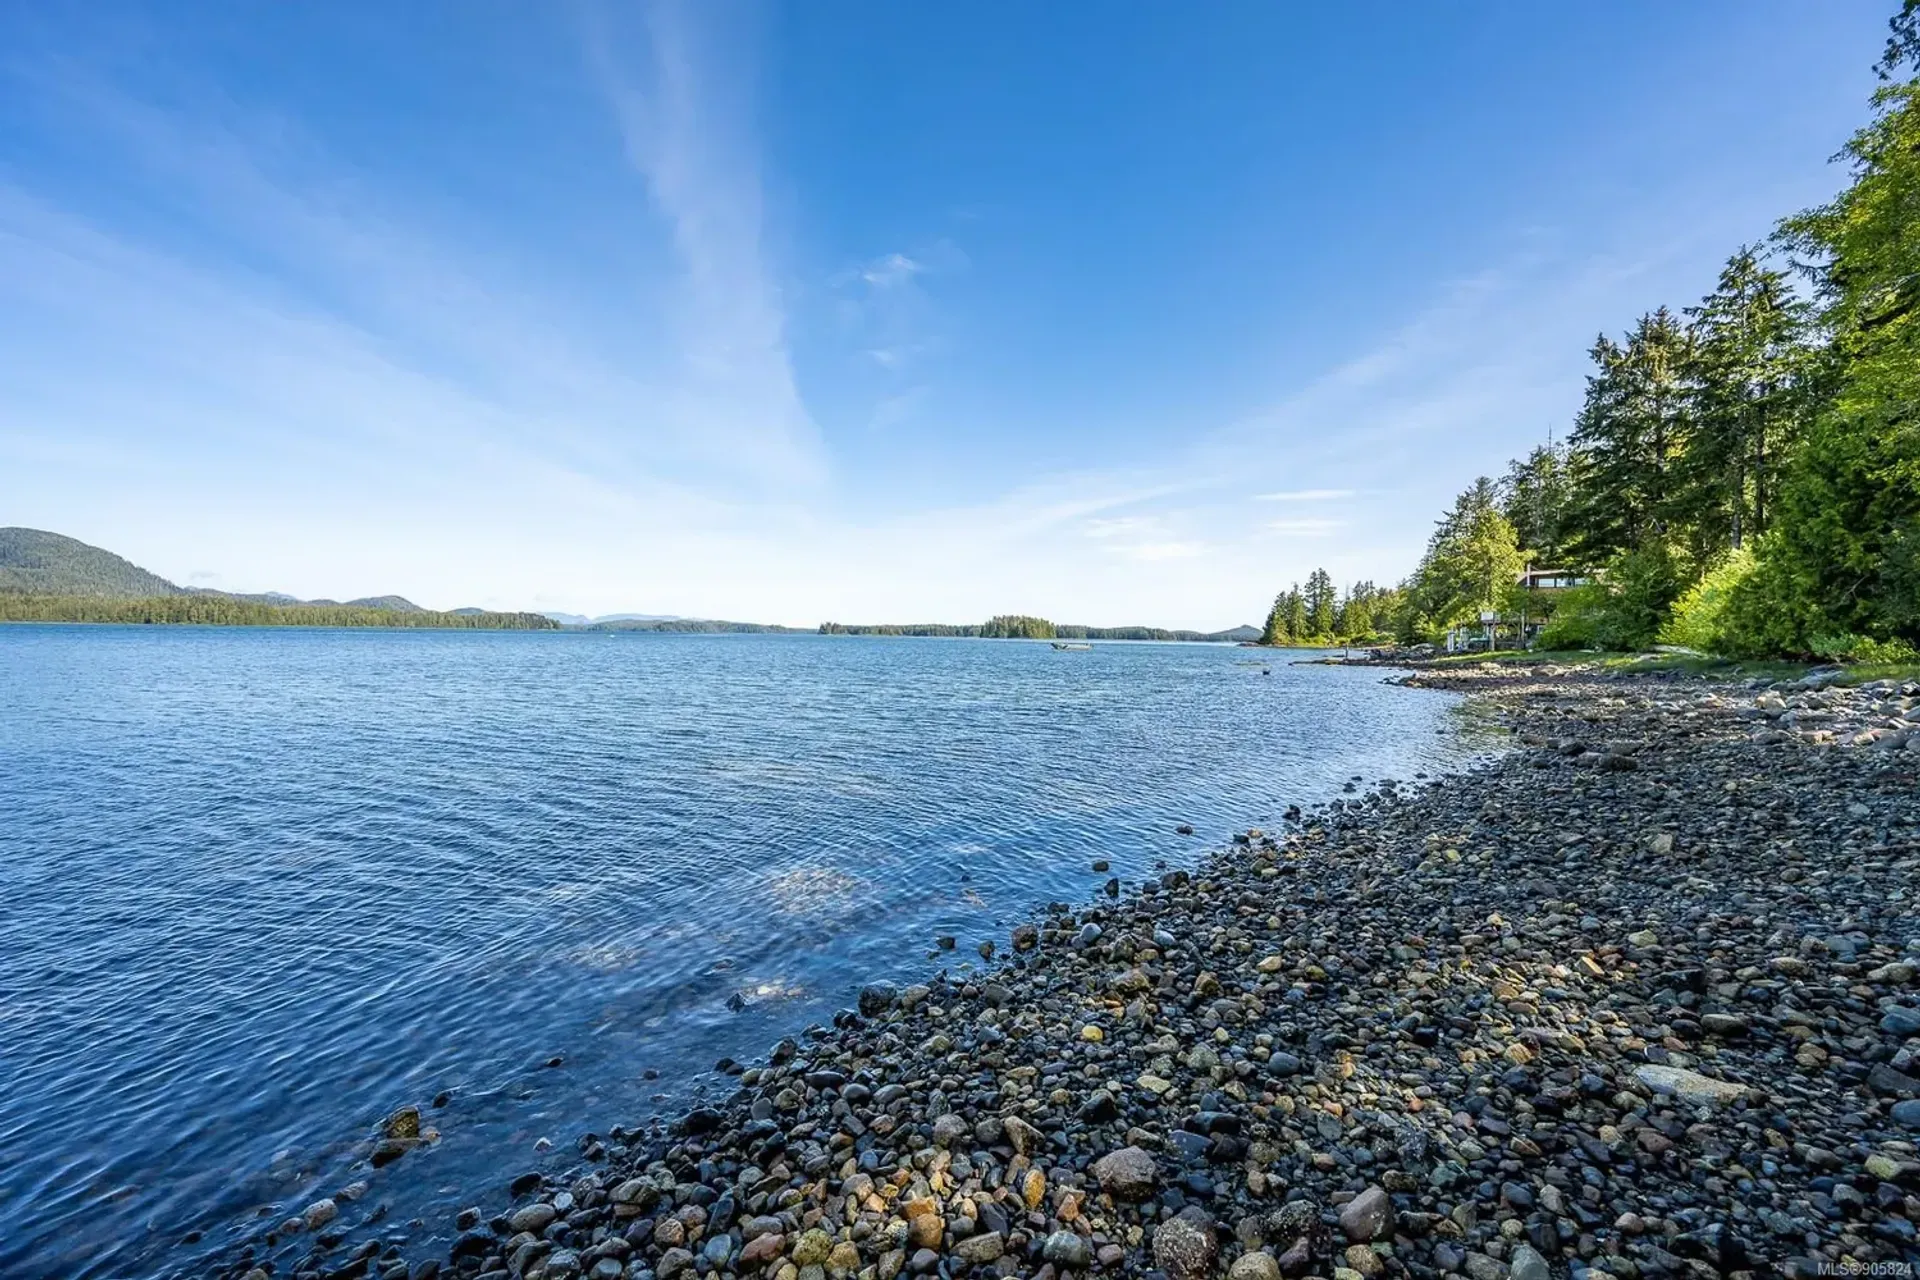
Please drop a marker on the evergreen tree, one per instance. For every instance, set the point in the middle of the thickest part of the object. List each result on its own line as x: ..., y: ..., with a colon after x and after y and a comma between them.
x: 1844, y: 554
x: 1319, y: 604
x: 1472, y: 563
x: 1356, y: 615
x: 1746, y: 397
x: 1625, y: 441
x: 1017, y: 626
x: 1903, y: 44
x: 1536, y: 496
x: 1275, y: 632
x: 1297, y: 628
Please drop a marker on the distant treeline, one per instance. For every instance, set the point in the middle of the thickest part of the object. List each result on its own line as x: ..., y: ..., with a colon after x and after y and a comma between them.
x: 692, y: 626
x: 899, y: 629
x: 1023, y: 627
x: 228, y: 611
x: 1323, y: 616
x: 1003, y: 626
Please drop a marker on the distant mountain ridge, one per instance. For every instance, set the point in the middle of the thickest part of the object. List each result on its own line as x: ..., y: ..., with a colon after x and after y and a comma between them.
x: 395, y: 604
x: 689, y: 626
x: 582, y: 620
x: 54, y: 567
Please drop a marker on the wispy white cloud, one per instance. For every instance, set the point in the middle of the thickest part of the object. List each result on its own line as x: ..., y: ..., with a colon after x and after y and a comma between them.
x: 888, y: 315
x: 1305, y: 528
x: 356, y: 383
x: 1123, y: 526
x: 323, y: 387
x: 684, y: 118
x: 890, y: 271
x: 1155, y: 552
x: 323, y: 241
x: 1145, y: 539
x: 1304, y: 495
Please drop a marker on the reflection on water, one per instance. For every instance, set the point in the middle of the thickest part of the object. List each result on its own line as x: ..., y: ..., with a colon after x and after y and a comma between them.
x: 808, y: 891
x: 263, y: 887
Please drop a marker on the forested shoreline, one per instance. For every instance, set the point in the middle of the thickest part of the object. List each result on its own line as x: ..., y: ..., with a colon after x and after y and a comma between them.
x: 228, y: 611
x: 690, y: 626
x: 231, y: 611
x: 1742, y: 476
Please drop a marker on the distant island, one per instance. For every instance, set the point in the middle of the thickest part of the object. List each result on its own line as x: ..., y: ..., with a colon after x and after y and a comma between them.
x: 1024, y: 627
x: 49, y: 577
x: 691, y: 626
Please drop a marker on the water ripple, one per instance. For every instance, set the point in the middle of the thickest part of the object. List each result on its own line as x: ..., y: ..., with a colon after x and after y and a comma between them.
x: 262, y: 887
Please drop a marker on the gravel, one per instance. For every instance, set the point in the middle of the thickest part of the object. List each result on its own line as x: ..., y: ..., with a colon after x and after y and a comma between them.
x: 1635, y: 1000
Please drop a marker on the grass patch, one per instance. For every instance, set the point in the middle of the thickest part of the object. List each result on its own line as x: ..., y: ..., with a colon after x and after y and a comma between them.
x: 1866, y: 672
x: 1687, y: 663
x: 1510, y: 657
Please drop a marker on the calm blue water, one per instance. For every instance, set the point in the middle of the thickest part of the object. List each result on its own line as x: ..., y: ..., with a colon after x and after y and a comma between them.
x: 258, y: 888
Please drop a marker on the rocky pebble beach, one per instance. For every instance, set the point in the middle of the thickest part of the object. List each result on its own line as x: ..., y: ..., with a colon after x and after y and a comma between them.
x: 1637, y: 999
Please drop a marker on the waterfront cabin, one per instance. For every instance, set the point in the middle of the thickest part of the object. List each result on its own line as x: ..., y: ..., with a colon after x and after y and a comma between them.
x: 1537, y: 591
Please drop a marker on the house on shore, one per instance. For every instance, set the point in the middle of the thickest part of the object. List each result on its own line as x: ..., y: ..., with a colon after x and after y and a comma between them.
x: 1535, y: 592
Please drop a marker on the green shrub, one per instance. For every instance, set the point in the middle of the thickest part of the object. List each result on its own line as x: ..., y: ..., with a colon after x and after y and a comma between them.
x: 1774, y: 610
x: 1848, y: 647
x: 1699, y: 619
x: 1624, y: 611
x: 1576, y: 619
x: 1642, y: 586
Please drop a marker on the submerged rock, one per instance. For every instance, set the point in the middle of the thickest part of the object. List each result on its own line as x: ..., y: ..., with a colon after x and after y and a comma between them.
x: 1554, y: 1017
x: 403, y: 1124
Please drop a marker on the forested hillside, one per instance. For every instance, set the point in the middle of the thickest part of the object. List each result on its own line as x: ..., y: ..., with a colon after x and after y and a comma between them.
x: 48, y: 577
x: 230, y: 611
x: 53, y: 564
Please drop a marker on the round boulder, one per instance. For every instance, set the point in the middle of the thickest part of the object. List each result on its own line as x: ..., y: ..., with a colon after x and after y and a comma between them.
x: 1127, y: 1174
x: 1184, y: 1247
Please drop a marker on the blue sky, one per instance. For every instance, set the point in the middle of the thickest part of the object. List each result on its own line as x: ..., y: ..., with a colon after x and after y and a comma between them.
x: 1113, y: 313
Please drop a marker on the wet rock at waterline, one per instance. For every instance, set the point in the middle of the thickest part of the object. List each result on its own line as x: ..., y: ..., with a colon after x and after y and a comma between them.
x: 1553, y: 1018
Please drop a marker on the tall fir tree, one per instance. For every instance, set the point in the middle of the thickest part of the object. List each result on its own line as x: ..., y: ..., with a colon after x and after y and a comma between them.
x: 1356, y: 614
x: 1472, y: 561
x: 1297, y: 627
x: 1747, y: 391
x: 1275, y: 631
x: 1536, y: 496
x: 1320, y: 597
x: 1625, y: 442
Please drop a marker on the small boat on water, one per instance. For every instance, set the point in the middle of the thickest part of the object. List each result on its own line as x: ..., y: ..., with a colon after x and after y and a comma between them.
x: 1070, y: 644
